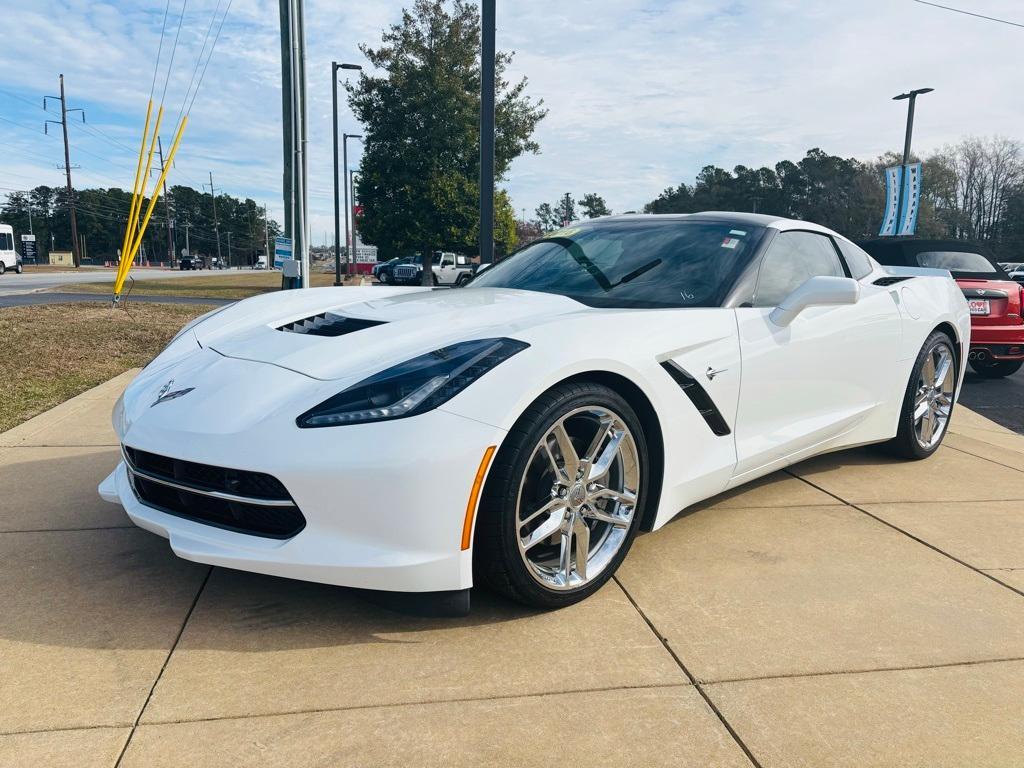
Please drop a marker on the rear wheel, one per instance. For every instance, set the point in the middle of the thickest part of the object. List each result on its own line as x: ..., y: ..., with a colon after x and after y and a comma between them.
x: 18, y: 269
x: 928, y: 401
x: 3, y: 267
x: 996, y: 369
x: 564, y: 498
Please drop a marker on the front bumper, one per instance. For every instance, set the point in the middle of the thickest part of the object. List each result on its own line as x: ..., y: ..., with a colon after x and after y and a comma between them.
x: 384, y: 503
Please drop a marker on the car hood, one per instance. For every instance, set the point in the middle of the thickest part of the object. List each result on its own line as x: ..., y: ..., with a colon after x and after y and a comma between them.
x: 388, y: 325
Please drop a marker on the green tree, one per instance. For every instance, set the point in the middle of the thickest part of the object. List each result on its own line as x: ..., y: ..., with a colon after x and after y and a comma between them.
x: 593, y: 205
x: 547, y: 218
x: 419, y: 175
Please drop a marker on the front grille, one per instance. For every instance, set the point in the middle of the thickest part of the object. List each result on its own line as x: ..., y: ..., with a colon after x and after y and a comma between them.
x: 404, y: 272
x: 237, y: 500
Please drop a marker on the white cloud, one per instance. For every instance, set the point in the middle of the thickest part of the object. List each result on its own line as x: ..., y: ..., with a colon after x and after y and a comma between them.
x: 641, y: 94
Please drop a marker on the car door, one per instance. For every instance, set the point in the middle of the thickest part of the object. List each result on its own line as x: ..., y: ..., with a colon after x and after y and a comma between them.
x: 817, y: 378
x: 446, y: 273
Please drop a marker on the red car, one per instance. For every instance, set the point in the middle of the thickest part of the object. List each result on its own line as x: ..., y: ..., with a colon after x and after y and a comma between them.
x: 996, y: 301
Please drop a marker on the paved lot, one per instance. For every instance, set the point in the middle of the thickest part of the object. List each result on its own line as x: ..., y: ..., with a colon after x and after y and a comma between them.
x: 1001, y: 400
x: 856, y: 611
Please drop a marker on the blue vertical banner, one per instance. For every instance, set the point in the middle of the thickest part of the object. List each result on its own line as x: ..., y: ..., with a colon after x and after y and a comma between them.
x: 911, y: 199
x: 893, y: 179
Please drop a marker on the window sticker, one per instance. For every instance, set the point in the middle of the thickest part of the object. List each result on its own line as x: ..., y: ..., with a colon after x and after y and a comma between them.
x: 739, y: 232
x: 730, y: 242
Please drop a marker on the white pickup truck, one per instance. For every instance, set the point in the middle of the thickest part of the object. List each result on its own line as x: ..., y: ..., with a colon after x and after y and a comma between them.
x: 449, y: 269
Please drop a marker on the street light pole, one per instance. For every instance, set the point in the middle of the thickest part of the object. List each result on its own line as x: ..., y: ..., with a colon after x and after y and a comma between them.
x: 335, y: 66
x: 352, y: 211
x: 487, y: 25
x: 911, y: 98
x: 348, y: 228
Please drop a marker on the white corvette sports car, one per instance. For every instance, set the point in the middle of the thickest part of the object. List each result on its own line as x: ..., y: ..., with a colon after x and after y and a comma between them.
x: 519, y: 432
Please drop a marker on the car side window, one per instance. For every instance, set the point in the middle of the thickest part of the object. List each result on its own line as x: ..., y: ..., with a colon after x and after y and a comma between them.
x: 792, y: 259
x: 856, y: 259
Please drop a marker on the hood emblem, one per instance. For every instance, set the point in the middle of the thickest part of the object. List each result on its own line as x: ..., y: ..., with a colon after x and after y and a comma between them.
x: 165, y: 394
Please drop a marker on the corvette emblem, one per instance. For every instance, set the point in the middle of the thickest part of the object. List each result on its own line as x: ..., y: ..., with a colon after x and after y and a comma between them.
x: 164, y: 394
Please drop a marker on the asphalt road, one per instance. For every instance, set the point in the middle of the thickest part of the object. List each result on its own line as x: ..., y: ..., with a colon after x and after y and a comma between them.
x: 1001, y: 400
x: 12, y: 284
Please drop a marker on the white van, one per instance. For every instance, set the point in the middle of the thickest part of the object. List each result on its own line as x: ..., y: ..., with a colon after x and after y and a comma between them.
x: 8, y: 256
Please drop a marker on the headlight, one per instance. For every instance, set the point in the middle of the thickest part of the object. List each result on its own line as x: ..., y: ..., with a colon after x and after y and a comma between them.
x: 412, y: 387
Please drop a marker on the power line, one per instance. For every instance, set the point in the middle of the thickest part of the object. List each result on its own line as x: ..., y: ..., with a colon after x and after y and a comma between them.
x: 969, y: 13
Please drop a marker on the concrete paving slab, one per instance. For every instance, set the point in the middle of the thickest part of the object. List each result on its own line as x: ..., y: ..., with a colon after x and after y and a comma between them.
x: 88, y: 748
x: 259, y: 645
x: 986, y: 534
x: 778, y: 489
x: 965, y: 418
x: 55, y: 489
x: 649, y: 727
x: 743, y: 593
x: 1014, y: 577
x: 88, y: 618
x: 1007, y: 456
x: 949, y: 717
x: 865, y: 476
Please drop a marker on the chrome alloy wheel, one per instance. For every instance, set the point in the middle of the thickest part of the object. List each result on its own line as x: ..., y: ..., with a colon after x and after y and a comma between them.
x: 577, y: 498
x: 933, y: 399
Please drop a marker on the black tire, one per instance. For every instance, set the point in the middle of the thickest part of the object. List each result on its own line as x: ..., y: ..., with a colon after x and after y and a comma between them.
x: 433, y: 279
x: 3, y: 268
x: 906, y: 444
x: 497, y: 562
x: 996, y: 369
x: 461, y: 281
x: 18, y: 269
x: 383, y: 278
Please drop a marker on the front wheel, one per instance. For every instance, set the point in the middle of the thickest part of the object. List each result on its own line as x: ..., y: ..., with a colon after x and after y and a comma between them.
x: 18, y: 269
x: 564, y: 498
x: 996, y: 369
x: 928, y: 400
x: 383, y: 278
x: 3, y: 268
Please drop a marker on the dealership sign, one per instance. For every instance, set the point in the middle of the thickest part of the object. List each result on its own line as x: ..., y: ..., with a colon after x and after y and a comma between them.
x: 28, y: 248
x: 282, y: 251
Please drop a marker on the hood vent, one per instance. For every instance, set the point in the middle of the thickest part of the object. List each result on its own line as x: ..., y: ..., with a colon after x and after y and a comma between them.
x: 328, y: 324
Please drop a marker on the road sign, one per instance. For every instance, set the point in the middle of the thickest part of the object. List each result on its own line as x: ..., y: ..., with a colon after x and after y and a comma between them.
x: 282, y: 251
x: 28, y: 248
x: 911, y: 199
x: 893, y: 179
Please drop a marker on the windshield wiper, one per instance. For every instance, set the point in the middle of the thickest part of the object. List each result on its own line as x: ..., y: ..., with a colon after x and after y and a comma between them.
x: 636, y: 273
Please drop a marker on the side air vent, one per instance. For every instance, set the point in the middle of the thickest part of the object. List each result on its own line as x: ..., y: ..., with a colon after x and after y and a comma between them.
x: 328, y: 324
x: 699, y: 397
x: 891, y: 280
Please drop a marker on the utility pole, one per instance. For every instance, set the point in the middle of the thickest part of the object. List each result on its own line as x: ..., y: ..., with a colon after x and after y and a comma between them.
x: 266, y: 239
x: 229, y: 250
x: 911, y: 98
x: 75, y: 253
x: 487, y: 25
x: 349, y: 240
x: 216, y: 224
x: 293, y: 94
x: 188, y: 226
x: 335, y: 66
x: 167, y: 208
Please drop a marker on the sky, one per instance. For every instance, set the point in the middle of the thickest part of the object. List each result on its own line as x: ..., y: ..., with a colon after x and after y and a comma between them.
x: 641, y: 94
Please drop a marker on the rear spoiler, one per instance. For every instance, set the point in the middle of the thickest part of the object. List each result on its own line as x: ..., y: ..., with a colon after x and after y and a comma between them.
x: 917, y: 271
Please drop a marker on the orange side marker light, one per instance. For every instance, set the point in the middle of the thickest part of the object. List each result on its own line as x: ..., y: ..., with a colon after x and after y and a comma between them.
x: 474, y: 497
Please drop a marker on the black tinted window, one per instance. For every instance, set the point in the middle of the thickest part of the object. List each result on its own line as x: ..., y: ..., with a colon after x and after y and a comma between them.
x: 632, y: 263
x: 792, y: 259
x: 856, y: 259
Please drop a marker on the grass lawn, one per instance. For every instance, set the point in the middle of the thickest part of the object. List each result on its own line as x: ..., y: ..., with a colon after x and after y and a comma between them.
x: 53, y: 352
x: 214, y: 285
x: 39, y: 269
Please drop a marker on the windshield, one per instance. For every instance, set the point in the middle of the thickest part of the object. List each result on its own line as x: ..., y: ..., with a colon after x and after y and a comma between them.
x: 956, y: 261
x: 630, y: 263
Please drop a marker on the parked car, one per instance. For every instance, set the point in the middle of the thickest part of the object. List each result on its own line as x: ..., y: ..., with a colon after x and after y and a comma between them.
x: 384, y: 270
x: 9, y: 258
x: 261, y: 263
x: 520, y: 432
x: 449, y: 269
x: 996, y: 301
x: 192, y: 261
x: 1018, y: 276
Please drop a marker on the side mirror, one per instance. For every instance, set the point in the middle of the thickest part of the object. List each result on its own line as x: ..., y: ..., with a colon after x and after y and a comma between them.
x: 816, y: 291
